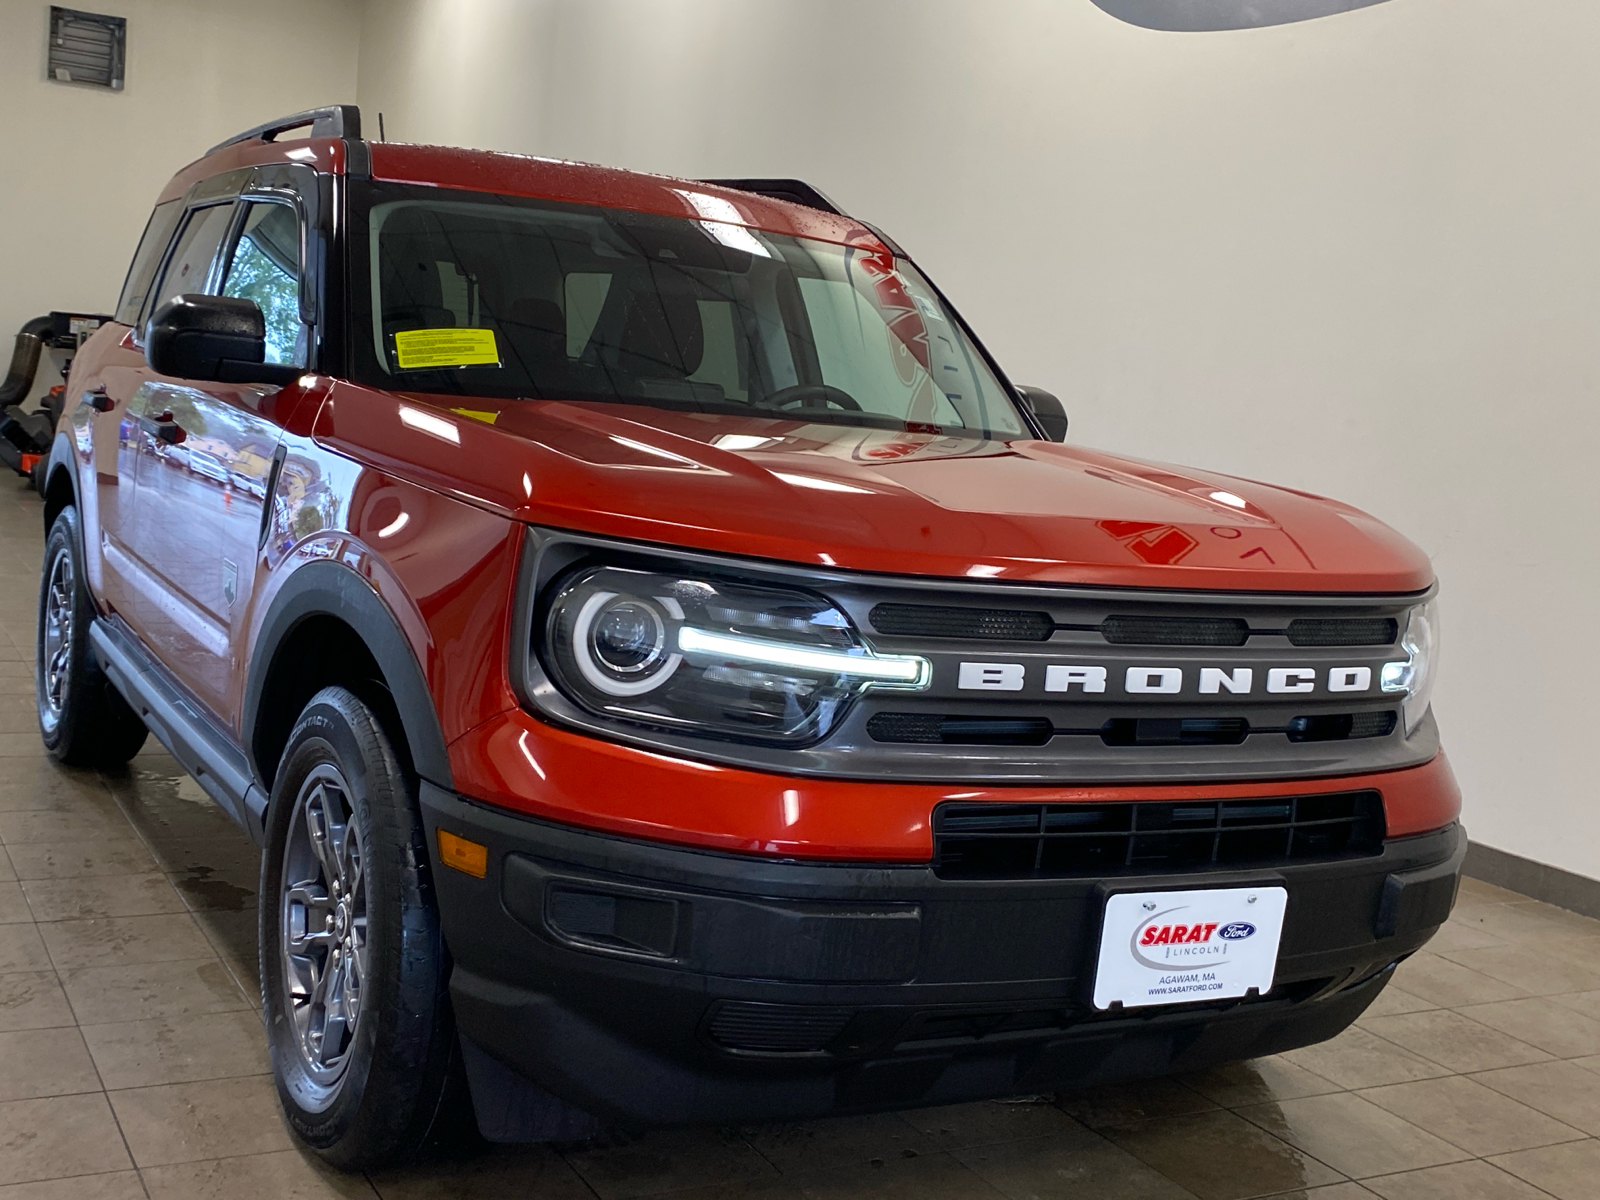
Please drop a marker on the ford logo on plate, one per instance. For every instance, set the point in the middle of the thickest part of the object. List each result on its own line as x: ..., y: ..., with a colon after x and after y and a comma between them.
x: 1237, y: 930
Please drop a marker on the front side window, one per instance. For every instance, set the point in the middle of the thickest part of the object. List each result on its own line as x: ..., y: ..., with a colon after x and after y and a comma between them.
x: 265, y: 268
x: 474, y: 294
x: 189, y: 267
x: 157, y: 233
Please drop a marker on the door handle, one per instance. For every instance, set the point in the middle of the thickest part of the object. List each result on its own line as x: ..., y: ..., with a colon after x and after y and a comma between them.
x: 163, y: 428
x: 99, y: 400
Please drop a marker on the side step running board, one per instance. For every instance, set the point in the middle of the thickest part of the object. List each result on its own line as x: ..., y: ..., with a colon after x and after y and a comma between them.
x: 199, y: 744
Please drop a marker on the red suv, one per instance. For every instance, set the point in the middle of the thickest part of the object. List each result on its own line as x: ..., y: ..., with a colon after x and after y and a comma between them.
x: 675, y: 677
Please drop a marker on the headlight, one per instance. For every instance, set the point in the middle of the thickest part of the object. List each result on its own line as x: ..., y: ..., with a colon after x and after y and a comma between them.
x: 1414, y: 677
x: 709, y: 656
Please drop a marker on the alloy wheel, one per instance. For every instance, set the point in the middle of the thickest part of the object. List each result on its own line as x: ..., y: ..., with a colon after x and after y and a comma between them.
x: 55, y: 650
x: 323, y: 910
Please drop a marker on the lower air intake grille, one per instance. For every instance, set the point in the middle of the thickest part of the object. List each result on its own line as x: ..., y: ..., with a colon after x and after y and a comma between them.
x: 777, y: 1028
x: 1022, y: 841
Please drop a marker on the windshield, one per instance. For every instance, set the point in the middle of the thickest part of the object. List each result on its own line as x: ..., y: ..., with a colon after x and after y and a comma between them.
x: 482, y: 295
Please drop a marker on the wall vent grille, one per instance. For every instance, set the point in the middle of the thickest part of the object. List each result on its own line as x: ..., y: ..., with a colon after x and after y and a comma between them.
x: 87, y: 48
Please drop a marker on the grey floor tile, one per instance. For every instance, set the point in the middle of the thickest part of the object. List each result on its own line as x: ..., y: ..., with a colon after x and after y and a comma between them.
x: 1047, y: 1169
x: 114, y: 1185
x: 1256, y: 1163
x: 45, y: 1062
x: 1454, y: 1041
x: 1471, y: 1116
x: 497, y: 1173
x: 33, y: 1000
x: 841, y: 1142
x: 102, y: 896
x: 1456, y: 1181
x: 13, y: 905
x: 105, y: 995
x: 1123, y: 1103
x: 1359, y: 1058
x: 123, y: 941
x: 667, y: 1160
x: 278, y: 1175
x: 958, y: 1126
x: 1352, y: 1135
x: 1563, y: 1090
x: 182, y: 1049
x: 1540, y: 1021
x: 1568, y: 1172
x: 926, y: 1177
x: 57, y: 1137
x: 1448, y: 984
x: 189, y: 1122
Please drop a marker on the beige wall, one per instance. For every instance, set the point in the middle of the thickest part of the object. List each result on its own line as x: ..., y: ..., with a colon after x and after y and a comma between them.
x: 1358, y: 256
x: 82, y: 165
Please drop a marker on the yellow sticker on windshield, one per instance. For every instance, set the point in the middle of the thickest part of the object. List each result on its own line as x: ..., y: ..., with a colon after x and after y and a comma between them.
x: 418, y: 349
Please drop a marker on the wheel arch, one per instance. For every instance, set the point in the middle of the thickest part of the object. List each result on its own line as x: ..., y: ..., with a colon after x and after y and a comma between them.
x: 327, y: 625
x: 61, y: 481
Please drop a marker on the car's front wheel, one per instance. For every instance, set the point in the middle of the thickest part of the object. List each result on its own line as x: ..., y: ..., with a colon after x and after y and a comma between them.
x: 353, y: 968
x: 83, y: 720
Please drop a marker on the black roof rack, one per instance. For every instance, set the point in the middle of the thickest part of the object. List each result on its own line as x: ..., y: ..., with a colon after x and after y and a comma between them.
x: 795, y: 191
x: 336, y: 120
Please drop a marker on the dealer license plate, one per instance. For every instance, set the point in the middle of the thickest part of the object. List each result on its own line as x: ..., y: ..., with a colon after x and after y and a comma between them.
x: 1182, y: 947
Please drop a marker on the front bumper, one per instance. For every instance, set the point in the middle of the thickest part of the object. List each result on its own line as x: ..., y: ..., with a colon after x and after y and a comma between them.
x: 650, y: 984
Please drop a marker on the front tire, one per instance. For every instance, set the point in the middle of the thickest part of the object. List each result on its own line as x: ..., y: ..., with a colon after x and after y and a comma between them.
x: 353, y: 966
x: 83, y: 720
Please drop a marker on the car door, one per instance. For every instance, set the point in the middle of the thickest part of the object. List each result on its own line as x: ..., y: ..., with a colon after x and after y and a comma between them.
x: 132, y: 441
x: 207, y: 461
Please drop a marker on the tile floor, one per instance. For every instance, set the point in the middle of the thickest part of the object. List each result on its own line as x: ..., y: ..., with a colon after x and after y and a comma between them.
x: 131, y: 1060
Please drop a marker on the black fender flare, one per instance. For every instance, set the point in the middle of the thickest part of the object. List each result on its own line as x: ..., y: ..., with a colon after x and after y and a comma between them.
x: 63, y: 459
x: 332, y: 589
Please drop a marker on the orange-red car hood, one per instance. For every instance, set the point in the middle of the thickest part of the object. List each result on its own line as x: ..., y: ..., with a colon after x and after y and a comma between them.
x: 872, y: 500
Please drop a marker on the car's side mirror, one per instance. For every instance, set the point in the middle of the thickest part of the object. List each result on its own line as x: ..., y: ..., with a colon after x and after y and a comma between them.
x: 1047, y: 411
x: 212, y: 338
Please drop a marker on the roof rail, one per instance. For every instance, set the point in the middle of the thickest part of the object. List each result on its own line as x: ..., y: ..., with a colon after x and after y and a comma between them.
x: 336, y: 120
x: 795, y: 191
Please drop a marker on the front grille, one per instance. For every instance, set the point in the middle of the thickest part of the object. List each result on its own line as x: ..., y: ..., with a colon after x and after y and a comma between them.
x: 931, y: 729
x: 1343, y: 631
x: 979, y: 624
x: 937, y: 729
x: 1342, y: 726
x: 1022, y: 841
x: 777, y: 1028
x: 1174, y: 631
x: 1175, y: 731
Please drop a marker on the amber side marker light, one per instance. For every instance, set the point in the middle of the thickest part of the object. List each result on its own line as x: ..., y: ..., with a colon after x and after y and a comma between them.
x: 467, y: 857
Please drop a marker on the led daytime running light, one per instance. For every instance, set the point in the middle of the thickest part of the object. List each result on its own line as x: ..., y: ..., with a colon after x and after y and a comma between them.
x: 894, y: 670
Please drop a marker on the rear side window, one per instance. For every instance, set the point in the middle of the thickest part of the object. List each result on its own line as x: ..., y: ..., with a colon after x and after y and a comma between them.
x: 189, y: 267
x: 157, y: 233
x: 266, y: 269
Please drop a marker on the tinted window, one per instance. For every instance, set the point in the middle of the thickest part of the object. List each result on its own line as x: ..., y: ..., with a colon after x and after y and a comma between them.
x: 157, y: 233
x: 190, y: 265
x: 476, y: 294
x: 266, y: 269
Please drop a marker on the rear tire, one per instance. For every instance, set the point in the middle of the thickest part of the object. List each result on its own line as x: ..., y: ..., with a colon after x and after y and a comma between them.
x: 83, y: 719
x: 354, y: 971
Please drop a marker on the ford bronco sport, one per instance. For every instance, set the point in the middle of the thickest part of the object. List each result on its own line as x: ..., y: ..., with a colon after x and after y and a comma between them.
x: 673, y: 676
